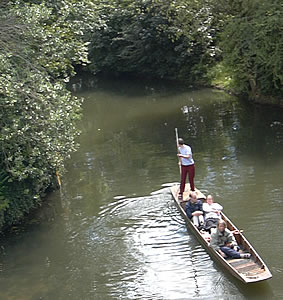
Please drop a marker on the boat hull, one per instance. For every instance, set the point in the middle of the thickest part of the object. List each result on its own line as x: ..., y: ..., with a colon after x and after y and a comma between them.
x: 247, y: 270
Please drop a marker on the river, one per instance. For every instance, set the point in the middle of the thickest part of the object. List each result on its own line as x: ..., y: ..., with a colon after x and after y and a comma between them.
x: 113, y: 231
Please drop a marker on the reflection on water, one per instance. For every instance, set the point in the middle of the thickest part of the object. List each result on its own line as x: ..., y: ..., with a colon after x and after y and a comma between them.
x: 113, y: 231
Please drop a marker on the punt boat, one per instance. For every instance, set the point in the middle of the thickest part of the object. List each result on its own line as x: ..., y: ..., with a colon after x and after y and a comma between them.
x: 247, y: 270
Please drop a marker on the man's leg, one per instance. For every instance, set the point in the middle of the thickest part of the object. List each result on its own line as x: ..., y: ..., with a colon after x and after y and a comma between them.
x: 183, y: 179
x: 191, y: 170
x: 201, y: 219
x: 230, y: 252
x: 195, y: 221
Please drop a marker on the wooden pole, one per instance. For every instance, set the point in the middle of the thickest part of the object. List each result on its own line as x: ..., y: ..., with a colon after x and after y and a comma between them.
x: 176, y: 133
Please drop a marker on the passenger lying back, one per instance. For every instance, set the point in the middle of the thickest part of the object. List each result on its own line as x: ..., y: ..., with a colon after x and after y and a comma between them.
x: 212, y: 213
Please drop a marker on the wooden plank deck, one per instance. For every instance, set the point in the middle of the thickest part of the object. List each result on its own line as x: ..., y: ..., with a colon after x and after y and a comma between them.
x: 187, y: 192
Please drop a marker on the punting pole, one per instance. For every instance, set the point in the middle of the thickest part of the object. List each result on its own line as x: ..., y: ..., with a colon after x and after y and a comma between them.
x: 177, y: 144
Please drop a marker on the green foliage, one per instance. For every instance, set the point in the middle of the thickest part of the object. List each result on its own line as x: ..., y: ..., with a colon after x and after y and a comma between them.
x: 157, y: 38
x: 39, y: 47
x: 252, y: 44
x: 220, y: 76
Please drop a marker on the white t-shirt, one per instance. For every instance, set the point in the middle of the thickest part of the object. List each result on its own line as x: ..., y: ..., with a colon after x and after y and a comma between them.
x: 185, y: 150
x: 210, y: 210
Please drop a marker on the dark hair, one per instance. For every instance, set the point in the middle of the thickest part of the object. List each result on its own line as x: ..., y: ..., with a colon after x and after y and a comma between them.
x: 180, y: 141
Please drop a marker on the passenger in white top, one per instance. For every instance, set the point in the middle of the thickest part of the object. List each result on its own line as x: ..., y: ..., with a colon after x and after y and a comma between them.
x: 212, y: 213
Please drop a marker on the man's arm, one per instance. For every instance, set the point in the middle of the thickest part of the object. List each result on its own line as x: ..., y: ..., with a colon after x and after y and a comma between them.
x: 200, y: 205
x: 186, y: 155
x: 214, y: 242
x: 188, y: 210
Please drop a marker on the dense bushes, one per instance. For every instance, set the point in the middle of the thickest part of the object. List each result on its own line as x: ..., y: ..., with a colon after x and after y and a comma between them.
x: 252, y: 44
x: 172, y: 39
x: 37, y: 113
x: 184, y: 39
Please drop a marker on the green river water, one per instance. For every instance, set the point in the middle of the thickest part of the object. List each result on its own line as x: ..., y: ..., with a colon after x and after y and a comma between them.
x: 113, y: 231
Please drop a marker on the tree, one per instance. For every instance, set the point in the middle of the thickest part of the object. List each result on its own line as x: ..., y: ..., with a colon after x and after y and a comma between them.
x: 156, y: 38
x: 252, y: 44
x: 39, y: 47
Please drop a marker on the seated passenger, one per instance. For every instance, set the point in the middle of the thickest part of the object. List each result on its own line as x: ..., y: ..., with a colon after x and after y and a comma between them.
x: 212, y: 213
x: 194, y: 210
x: 224, y: 242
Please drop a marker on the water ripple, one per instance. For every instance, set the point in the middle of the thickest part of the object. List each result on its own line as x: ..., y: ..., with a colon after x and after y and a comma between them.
x: 155, y: 236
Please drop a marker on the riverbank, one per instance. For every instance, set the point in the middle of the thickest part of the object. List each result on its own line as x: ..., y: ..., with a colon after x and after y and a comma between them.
x: 260, y: 100
x: 216, y: 79
x: 221, y: 78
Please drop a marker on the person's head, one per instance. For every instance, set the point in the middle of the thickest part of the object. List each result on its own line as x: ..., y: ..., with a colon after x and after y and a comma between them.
x: 221, y: 225
x: 209, y: 199
x: 181, y: 142
x: 194, y: 197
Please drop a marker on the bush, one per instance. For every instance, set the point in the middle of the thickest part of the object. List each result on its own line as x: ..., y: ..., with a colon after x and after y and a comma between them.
x: 156, y: 38
x: 39, y: 47
x: 252, y: 44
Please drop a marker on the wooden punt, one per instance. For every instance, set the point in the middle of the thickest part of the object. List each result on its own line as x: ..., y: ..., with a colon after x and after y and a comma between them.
x: 246, y: 270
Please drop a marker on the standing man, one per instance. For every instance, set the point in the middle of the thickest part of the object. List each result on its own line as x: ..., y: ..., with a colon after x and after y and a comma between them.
x: 187, y: 166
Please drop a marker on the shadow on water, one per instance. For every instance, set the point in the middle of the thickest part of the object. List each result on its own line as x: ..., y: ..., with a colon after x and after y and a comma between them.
x: 260, y: 290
